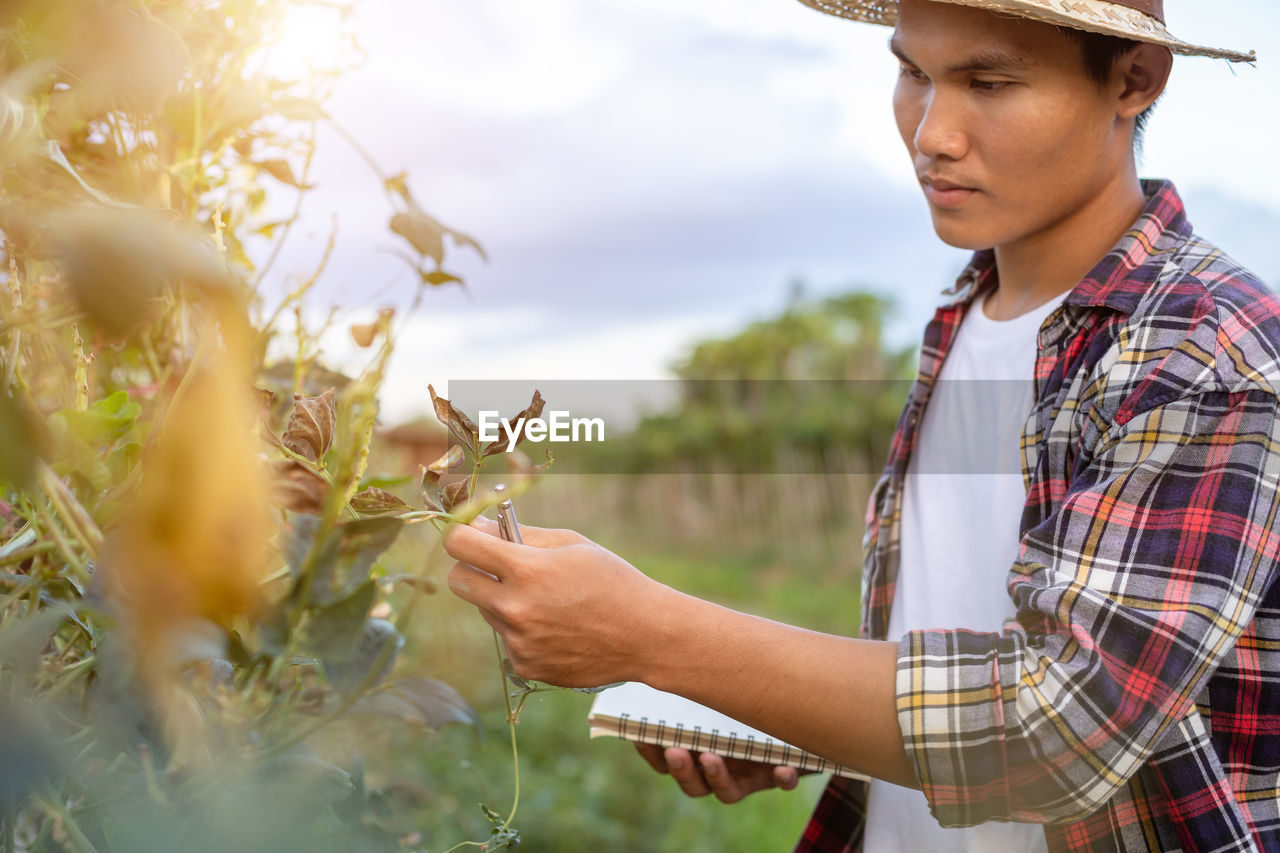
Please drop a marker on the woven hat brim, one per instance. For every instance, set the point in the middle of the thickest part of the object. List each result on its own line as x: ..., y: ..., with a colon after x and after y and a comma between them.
x: 1090, y: 15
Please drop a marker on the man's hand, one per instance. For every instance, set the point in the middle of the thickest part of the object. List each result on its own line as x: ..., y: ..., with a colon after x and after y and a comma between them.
x: 575, y: 614
x: 730, y: 779
x: 569, y: 612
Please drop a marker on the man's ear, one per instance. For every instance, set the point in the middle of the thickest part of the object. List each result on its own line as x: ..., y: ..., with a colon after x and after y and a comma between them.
x: 1141, y: 75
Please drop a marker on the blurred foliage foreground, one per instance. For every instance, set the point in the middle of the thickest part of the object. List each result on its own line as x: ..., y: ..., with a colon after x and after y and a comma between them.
x: 190, y: 577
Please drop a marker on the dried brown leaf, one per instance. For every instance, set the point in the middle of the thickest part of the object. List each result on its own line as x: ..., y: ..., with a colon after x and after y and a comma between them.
x: 263, y: 398
x: 296, y: 487
x: 452, y: 458
x: 298, y: 108
x: 438, y: 277
x: 364, y: 333
x: 424, y: 233
x: 500, y: 444
x: 310, y: 430
x: 458, y: 423
x: 375, y: 500
x: 455, y: 494
x: 279, y: 168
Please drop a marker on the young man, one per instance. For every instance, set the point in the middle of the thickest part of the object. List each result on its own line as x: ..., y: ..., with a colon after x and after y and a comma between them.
x: 1088, y: 661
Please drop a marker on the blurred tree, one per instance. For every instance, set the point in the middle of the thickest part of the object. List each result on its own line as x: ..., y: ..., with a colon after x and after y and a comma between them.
x: 816, y: 382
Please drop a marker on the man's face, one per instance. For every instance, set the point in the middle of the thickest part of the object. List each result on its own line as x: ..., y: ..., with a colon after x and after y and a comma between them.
x: 1008, y: 134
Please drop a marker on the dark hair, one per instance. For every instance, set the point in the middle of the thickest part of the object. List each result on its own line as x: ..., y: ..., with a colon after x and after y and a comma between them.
x: 1100, y: 54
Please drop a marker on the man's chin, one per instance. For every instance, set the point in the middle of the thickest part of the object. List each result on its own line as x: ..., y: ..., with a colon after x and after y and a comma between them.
x: 961, y: 235
x: 962, y: 238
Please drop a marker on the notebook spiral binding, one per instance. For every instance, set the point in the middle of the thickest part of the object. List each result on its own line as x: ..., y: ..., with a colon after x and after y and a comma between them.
x: 730, y: 745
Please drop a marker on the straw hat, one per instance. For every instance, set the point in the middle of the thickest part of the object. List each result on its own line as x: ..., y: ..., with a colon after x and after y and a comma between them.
x: 1140, y: 20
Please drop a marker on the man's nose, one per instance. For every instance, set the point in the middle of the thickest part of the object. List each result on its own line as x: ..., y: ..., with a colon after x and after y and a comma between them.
x: 940, y: 133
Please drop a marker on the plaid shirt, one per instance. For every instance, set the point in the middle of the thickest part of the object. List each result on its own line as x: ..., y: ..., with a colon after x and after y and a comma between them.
x: 1134, y: 702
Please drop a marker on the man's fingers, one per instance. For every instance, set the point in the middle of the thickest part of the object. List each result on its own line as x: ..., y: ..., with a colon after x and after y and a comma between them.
x: 686, y: 772
x: 721, y: 782
x: 786, y: 778
x: 538, y: 537
x: 472, y: 585
x: 652, y: 753
x: 488, y: 553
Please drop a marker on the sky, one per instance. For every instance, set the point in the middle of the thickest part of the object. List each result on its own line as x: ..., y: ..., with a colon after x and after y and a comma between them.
x: 647, y: 173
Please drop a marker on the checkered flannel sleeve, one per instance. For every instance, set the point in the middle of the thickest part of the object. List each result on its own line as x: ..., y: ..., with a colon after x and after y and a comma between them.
x: 1128, y: 596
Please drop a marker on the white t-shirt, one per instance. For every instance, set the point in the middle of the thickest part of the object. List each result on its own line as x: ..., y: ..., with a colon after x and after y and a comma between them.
x: 962, y: 503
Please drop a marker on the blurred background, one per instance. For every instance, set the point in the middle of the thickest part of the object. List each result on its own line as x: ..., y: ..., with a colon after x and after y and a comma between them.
x: 702, y: 209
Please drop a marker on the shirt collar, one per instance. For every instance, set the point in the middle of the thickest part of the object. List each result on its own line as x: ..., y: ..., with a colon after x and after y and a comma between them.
x: 1122, y: 276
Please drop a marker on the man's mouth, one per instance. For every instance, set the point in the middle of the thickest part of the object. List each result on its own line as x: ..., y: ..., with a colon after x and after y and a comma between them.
x: 946, y: 194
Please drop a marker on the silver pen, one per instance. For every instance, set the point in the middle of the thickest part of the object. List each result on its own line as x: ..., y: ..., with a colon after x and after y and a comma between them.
x: 508, y: 527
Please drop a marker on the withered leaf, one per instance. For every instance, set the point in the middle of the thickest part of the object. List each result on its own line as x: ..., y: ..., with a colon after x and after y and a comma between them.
x: 414, y: 582
x: 364, y: 333
x: 465, y: 240
x: 399, y: 184
x: 455, y: 493
x: 374, y: 500
x: 298, y: 108
x: 458, y: 423
x: 438, y: 277
x: 263, y: 398
x: 424, y: 233
x: 279, y: 168
x: 296, y: 487
x: 534, y: 410
x: 430, y: 492
x: 452, y: 458
x: 310, y: 431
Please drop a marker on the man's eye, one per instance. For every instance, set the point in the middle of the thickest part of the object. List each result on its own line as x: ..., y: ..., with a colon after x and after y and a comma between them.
x: 988, y: 85
x: 913, y: 73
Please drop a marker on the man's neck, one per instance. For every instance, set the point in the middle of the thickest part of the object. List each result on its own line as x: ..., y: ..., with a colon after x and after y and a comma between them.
x: 1044, y: 265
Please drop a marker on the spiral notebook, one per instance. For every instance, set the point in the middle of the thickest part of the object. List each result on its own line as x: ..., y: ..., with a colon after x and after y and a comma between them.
x: 637, y: 712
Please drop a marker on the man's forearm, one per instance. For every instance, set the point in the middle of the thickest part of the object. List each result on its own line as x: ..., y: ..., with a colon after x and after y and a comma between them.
x: 833, y: 696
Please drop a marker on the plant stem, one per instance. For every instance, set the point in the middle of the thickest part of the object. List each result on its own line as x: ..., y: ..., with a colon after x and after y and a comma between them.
x: 288, y: 224
x: 511, y: 726
x: 58, y: 810
x: 27, y: 553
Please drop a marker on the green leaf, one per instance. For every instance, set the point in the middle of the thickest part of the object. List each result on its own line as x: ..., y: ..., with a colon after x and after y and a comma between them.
x: 523, y: 684
x: 386, y: 481
x: 300, y: 773
x: 376, y: 640
x: 435, y: 702
x: 25, y: 441
x: 600, y: 689
x: 363, y: 542
x: 334, y: 630
x: 103, y: 423
x: 424, y: 701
